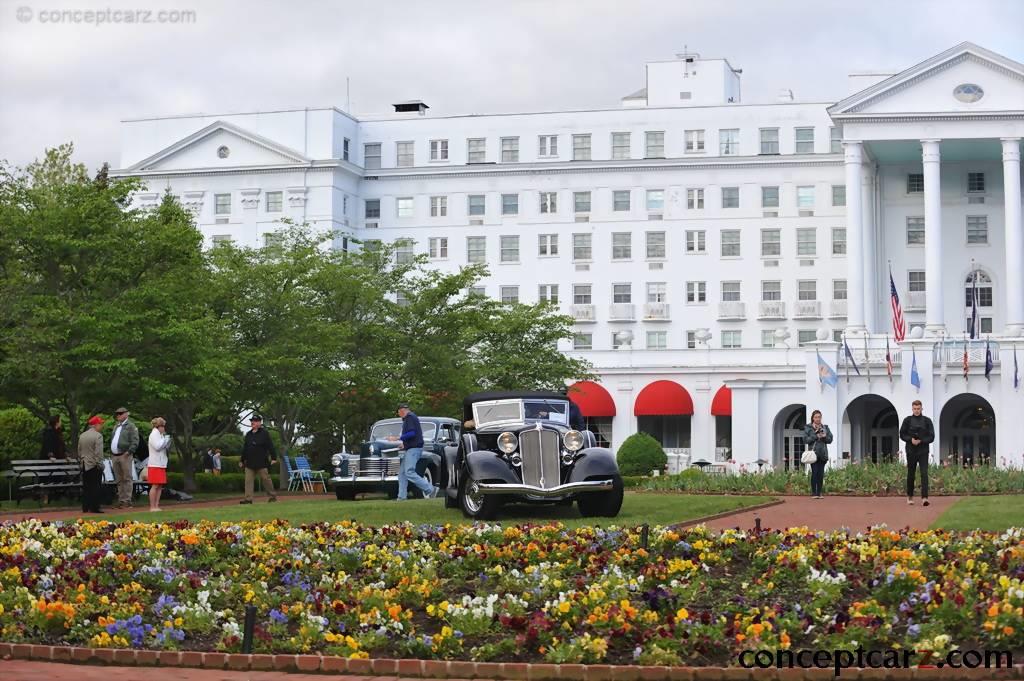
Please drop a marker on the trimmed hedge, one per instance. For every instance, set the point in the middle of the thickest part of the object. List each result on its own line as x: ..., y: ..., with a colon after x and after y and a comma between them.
x: 21, y: 435
x: 640, y: 454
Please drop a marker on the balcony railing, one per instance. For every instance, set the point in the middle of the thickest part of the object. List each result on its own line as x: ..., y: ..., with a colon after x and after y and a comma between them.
x: 772, y: 309
x: 732, y: 310
x: 656, y: 312
x: 869, y: 353
x: 583, y: 313
x: 915, y: 301
x: 951, y: 352
x: 807, y: 309
x: 622, y: 312
x: 837, y: 309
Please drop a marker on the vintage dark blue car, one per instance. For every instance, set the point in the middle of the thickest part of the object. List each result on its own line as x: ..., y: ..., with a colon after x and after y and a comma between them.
x: 375, y: 467
x: 518, y: 447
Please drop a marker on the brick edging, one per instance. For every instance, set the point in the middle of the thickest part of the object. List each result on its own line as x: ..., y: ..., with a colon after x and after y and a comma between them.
x: 457, y: 669
x: 726, y: 514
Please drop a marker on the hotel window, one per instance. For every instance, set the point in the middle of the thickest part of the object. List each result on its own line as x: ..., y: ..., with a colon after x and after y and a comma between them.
x: 510, y: 204
x: 438, y: 248
x: 581, y: 147
x: 620, y: 145
x: 617, y: 340
x: 548, y: 146
x: 371, y: 156
x: 655, y: 199
x: 729, y: 142
x: 806, y: 241
x: 835, y: 141
x: 404, y: 154
x: 916, y: 281
x: 915, y: 231
x: 582, y: 294
x: 771, y: 291
x: 838, y: 241
x: 547, y: 244
x: 805, y: 140
x: 657, y: 292
x: 404, y: 251
x: 509, y: 248
x: 732, y: 339
x: 805, y: 197
x: 839, y: 195
x: 476, y: 150
x: 977, y: 229
x: 549, y: 202
x: 583, y: 341
x: 975, y: 182
x: 438, y: 206
x: 581, y: 202
x: 620, y: 200
x: 730, y: 291
x: 769, y: 197
x: 346, y: 144
x: 655, y: 145
x: 476, y: 249
x: 696, y: 292
x: 275, y: 202
x: 655, y: 244
x: 581, y: 247
x: 691, y: 340
x: 222, y: 239
x: 509, y: 149
x: 730, y: 243
x: 771, y: 242
x: 548, y: 293
x: 622, y: 293
x: 730, y: 197
x: 837, y: 335
x: 372, y: 209
x: 694, y: 141
x: 404, y: 207
x: 438, y: 150
x: 695, y: 199
x: 476, y: 204
x: 769, y: 141
x: 768, y: 338
x: 371, y: 245
x: 509, y: 294
x: 838, y: 289
x: 807, y: 290
x: 622, y: 245
x: 222, y: 204
x: 695, y: 241
x: 401, y: 298
x: 984, y: 289
x: 657, y: 340
x: 915, y: 183
x: 805, y: 336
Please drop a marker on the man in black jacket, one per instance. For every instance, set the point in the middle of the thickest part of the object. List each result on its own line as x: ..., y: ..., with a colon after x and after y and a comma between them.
x: 258, y: 454
x: 917, y: 431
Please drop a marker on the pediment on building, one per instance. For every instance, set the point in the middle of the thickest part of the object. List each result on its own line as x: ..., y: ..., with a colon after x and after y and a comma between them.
x: 220, y: 144
x: 964, y: 80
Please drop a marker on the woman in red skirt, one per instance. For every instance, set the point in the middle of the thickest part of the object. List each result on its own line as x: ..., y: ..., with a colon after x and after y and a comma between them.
x: 159, y: 443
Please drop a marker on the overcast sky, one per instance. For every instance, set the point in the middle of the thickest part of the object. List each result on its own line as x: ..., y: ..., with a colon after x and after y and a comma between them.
x: 76, y: 81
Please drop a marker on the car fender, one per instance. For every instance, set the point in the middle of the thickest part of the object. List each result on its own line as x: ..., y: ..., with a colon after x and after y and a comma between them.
x: 594, y: 462
x: 485, y: 465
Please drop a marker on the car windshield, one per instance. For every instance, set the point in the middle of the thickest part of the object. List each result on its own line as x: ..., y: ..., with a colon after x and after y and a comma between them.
x: 547, y: 410
x: 497, y: 412
x: 386, y: 429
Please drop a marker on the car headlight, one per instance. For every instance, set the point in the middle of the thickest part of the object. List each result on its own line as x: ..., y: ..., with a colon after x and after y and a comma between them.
x: 508, y: 442
x: 573, y: 440
x: 336, y: 460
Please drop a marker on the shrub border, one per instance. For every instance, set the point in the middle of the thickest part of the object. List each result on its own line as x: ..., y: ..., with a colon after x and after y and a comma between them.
x: 458, y: 669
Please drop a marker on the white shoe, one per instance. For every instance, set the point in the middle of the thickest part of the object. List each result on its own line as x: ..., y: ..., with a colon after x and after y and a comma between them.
x: 910, y: 502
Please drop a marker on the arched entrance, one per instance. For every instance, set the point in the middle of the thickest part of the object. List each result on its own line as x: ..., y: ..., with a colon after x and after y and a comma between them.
x: 789, y: 437
x: 721, y: 411
x: 872, y: 429
x: 664, y: 410
x: 967, y: 430
x: 981, y: 292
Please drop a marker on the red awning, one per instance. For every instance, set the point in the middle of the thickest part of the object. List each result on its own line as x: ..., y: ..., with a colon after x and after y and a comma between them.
x: 722, y: 404
x: 592, y: 399
x: 663, y: 398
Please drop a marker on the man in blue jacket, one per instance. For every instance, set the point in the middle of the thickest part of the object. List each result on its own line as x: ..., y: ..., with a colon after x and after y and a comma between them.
x: 412, y: 444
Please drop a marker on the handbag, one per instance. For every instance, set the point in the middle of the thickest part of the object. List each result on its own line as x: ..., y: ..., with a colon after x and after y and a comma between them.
x: 809, y: 457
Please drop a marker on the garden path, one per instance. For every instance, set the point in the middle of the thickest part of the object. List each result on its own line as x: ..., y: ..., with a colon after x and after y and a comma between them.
x: 24, y: 670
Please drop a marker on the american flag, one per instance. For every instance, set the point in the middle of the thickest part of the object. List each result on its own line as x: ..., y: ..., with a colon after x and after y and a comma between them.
x: 967, y: 365
x: 899, y: 327
x: 888, y: 359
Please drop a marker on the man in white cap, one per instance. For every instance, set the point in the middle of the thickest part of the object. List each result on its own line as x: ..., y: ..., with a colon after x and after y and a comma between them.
x: 123, y: 444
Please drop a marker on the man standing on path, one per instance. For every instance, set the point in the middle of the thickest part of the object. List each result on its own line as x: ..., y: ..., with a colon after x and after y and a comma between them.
x: 412, y: 443
x: 90, y: 454
x: 918, y: 432
x: 123, y: 444
x: 258, y: 454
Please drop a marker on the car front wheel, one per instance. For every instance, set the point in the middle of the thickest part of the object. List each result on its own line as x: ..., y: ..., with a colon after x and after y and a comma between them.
x: 344, y: 492
x: 428, y: 474
x: 473, y: 503
x: 603, y: 504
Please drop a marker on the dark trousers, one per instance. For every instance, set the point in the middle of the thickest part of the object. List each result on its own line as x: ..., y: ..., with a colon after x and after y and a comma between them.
x: 817, y: 478
x: 913, y: 461
x: 91, y: 481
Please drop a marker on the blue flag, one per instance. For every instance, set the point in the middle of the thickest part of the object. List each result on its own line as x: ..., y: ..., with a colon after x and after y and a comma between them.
x: 826, y: 375
x: 1016, y: 376
x: 915, y: 378
x: 988, y: 360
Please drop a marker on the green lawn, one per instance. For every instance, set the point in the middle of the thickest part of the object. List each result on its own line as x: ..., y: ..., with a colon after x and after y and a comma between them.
x: 638, y: 508
x: 995, y: 513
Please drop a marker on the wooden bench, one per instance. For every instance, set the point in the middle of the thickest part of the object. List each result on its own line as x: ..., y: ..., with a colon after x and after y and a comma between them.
x: 45, y: 478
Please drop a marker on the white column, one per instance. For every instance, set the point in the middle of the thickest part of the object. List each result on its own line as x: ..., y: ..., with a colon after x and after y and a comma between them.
x: 702, y: 432
x: 746, y: 424
x: 1014, y: 237
x: 870, y: 254
x: 934, y: 317
x: 854, y: 238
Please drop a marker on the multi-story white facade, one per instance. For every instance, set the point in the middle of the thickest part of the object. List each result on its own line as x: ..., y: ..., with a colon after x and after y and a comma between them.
x: 709, y: 249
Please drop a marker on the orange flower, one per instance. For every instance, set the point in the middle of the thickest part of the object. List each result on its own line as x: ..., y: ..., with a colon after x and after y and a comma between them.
x: 1008, y: 631
x: 993, y: 610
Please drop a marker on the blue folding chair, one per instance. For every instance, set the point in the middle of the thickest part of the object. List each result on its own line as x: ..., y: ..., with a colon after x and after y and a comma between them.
x: 294, y: 474
x: 308, y: 475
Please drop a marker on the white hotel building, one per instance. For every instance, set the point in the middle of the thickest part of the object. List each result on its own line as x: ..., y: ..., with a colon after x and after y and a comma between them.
x: 708, y: 248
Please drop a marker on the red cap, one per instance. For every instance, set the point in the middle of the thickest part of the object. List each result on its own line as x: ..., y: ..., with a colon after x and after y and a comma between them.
x: 95, y: 421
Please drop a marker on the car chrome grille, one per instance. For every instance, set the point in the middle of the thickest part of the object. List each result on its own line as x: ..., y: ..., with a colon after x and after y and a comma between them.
x: 373, y: 465
x: 541, y: 466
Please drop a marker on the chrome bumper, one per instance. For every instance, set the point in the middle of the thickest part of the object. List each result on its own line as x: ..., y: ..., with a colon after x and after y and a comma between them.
x: 362, y: 479
x: 560, y: 490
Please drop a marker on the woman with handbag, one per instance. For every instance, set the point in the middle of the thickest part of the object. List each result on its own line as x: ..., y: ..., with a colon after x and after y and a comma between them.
x: 817, y: 437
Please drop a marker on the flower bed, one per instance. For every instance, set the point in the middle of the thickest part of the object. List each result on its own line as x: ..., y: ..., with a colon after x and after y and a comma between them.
x: 888, y: 479
x: 524, y: 594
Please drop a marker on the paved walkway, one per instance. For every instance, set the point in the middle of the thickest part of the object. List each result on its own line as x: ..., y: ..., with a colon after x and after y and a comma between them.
x: 24, y: 670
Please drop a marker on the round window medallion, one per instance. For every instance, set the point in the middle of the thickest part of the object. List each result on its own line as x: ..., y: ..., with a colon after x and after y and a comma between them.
x: 223, y: 152
x: 968, y: 93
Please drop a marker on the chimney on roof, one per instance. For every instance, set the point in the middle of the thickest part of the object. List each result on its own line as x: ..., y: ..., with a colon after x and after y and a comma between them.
x: 785, y: 95
x: 414, y: 105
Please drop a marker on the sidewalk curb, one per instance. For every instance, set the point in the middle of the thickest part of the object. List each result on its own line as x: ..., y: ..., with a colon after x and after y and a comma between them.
x: 725, y: 514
